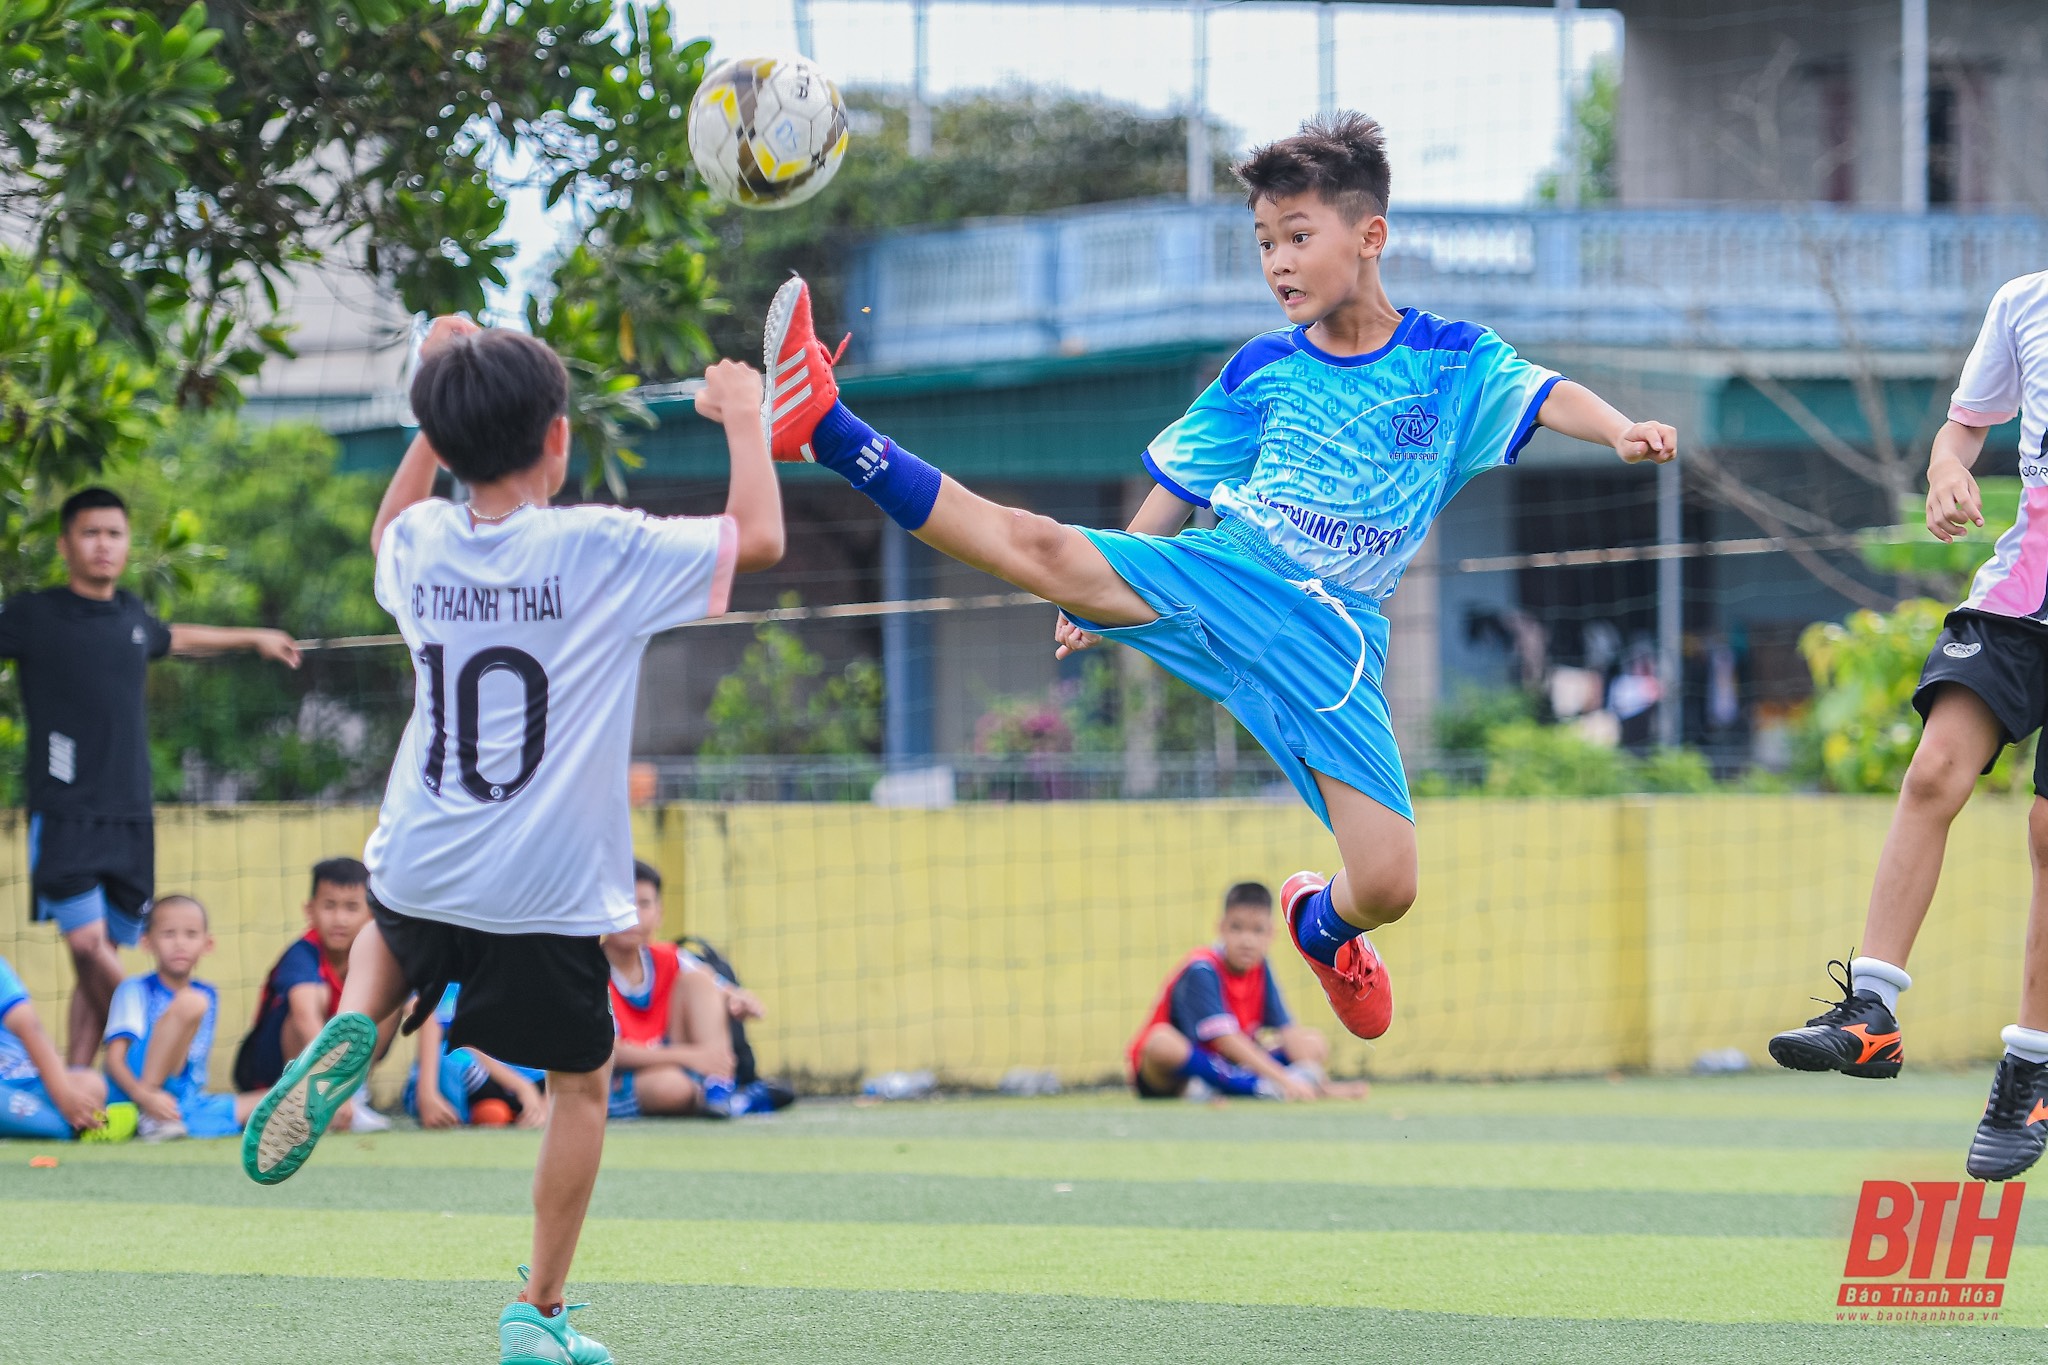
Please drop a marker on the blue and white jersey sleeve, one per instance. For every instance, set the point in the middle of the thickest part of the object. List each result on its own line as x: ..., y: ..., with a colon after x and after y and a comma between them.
x: 1198, y: 1010
x: 12, y: 992
x: 1216, y: 441
x: 1499, y: 395
x: 128, y: 1015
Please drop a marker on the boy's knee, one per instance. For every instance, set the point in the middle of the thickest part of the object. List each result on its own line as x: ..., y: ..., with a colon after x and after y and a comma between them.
x: 1165, y: 1045
x: 188, y: 1004
x: 1940, y: 777
x: 1305, y: 1044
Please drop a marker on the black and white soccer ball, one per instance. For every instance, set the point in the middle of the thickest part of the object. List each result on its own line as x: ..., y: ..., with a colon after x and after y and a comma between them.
x: 767, y: 132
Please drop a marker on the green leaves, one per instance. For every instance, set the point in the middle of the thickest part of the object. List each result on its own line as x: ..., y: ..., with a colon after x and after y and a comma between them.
x: 1864, y: 672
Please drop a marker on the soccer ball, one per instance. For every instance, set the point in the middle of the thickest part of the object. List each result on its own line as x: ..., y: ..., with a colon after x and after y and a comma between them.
x: 767, y: 132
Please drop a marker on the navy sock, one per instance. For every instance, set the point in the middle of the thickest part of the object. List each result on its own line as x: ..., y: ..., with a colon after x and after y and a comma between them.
x: 1322, y: 930
x: 897, y: 481
x: 1220, y: 1075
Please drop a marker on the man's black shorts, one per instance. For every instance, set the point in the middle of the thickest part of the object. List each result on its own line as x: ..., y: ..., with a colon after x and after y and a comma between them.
x: 538, y: 1000
x: 2004, y: 661
x: 70, y: 854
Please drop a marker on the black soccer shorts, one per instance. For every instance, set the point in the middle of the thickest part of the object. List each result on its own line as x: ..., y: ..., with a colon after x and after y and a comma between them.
x: 538, y: 1000
x: 2004, y: 660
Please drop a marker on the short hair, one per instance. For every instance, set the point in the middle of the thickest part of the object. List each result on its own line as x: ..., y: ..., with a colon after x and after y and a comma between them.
x: 1341, y: 159
x: 644, y: 872
x: 484, y: 401
x: 86, y: 500
x: 1250, y: 895
x: 338, y: 872
x: 181, y: 898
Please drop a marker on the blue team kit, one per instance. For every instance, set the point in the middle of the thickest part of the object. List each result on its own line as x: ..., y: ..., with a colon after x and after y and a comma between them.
x: 1325, y: 472
x: 138, y: 1003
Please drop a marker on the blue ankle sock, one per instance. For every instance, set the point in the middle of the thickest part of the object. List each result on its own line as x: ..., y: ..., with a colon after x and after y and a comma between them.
x: 1322, y: 930
x: 1220, y: 1075
x: 897, y: 481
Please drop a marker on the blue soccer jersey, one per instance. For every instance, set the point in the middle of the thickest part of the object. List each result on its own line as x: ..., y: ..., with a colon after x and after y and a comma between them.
x: 1341, y: 462
x: 14, y: 1059
x: 138, y: 1003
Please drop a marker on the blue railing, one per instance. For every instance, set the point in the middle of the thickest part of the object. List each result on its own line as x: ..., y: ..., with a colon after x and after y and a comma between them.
x: 1134, y: 275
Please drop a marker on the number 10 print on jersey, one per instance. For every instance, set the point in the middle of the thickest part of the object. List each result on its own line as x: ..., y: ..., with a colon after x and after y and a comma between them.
x: 468, y: 703
x: 507, y: 807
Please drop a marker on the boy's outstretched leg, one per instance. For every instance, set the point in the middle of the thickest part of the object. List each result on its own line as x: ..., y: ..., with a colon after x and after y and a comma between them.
x: 2014, y: 1130
x: 535, y: 1330
x: 290, y: 1119
x: 1859, y: 1035
x: 1328, y: 920
x: 805, y: 421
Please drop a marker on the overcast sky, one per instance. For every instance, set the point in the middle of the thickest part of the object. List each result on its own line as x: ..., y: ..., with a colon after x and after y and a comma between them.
x: 1470, y: 97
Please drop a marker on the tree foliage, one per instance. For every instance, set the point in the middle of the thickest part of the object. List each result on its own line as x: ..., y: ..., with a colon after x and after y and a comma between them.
x: 781, y: 701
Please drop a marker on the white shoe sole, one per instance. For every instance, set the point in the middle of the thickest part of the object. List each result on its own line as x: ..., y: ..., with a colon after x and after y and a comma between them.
x: 774, y: 332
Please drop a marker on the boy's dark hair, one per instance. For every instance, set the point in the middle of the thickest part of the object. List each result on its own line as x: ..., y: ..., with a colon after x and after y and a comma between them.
x: 85, y: 500
x: 181, y: 898
x: 1253, y: 895
x: 339, y: 872
x: 644, y: 872
x: 485, y: 400
x: 1341, y: 159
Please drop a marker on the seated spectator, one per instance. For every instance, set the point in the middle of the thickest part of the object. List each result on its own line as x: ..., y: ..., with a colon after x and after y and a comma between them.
x: 675, y: 1053
x: 160, y: 1034
x: 451, y: 1088
x: 39, y: 1096
x: 303, y: 990
x: 1205, y: 1027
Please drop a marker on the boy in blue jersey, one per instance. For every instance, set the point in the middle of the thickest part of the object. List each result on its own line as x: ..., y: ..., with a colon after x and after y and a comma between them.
x: 1326, y: 448
x: 446, y: 1083
x: 160, y: 1034
x: 39, y: 1096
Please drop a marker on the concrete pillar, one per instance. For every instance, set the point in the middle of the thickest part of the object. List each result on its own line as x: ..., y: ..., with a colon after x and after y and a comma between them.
x: 920, y: 78
x: 906, y: 657
x: 800, y: 10
x: 1326, y: 58
x: 1199, y: 188
x: 1913, y: 105
x: 1670, y: 606
x: 1567, y: 94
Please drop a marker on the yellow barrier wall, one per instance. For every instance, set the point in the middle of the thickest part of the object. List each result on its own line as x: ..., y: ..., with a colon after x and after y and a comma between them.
x: 1551, y: 936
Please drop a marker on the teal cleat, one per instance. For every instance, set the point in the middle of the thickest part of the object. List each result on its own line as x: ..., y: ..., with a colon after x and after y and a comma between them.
x: 290, y: 1120
x: 526, y: 1336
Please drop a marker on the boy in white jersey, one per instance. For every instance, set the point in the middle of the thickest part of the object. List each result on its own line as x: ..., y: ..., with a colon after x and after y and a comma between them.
x: 1326, y: 448
x: 502, y: 852
x: 1985, y: 686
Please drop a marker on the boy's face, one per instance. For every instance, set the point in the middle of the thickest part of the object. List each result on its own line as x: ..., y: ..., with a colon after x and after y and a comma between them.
x: 337, y: 914
x: 1313, y: 259
x: 178, y: 937
x: 1246, y: 932
x: 95, y: 549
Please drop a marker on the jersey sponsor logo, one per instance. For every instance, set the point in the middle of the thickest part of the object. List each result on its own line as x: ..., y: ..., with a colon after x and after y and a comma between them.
x: 138, y: 636
x: 1956, y: 649
x: 1412, y: 430
x: 1338, y: 534
x: 63, y: 757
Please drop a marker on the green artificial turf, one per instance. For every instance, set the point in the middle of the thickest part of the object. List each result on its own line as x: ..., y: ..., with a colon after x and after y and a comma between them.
x: 1682, y: 1220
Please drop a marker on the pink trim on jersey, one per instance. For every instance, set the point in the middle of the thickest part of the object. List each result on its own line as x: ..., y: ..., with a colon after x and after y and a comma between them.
x: 1973, y: 417
x: 2021, y: 589
x: 728, y: 564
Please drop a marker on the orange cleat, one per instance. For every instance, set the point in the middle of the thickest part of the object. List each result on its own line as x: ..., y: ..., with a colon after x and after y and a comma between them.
x: 1359, y: 991
x: 798, y: 387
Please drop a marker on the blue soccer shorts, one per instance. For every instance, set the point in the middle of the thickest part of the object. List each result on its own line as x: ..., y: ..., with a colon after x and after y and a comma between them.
x: 1297, y: 662
x: 27, y: 1111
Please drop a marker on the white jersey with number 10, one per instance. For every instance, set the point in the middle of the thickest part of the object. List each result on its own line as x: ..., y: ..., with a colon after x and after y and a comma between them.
x: 507, y: 805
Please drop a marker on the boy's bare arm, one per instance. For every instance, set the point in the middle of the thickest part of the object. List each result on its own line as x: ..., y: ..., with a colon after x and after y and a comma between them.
x: 1161, y: 514
x: 731, y: 397
x: 413, y: 481
x: 188, y: 640
x: 1954, y: 503
x: 21, y: 1021
x: 307, y: 1005
x: 1576, y: 411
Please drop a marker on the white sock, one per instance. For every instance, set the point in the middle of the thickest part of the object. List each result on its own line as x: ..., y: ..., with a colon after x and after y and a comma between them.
x: 1880, y: 978
x: 2027, y: 1044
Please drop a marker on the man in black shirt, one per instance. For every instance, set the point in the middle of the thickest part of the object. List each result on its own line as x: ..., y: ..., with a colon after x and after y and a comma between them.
x: 81, y: 651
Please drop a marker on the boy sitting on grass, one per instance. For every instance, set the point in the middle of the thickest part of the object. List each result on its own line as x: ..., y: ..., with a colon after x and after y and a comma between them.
x: 303, y: 990
x: 39, y: 1096
x: 160, y: 1034
x: 674, y: 1054
x: 1205, y: 1026
x: 448, y: 1087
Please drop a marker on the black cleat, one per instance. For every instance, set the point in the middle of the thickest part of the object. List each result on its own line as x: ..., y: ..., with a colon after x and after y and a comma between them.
x: 1857, y: 1036
x: 2015, y: 1124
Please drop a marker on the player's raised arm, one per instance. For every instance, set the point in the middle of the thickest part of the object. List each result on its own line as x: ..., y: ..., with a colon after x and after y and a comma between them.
x: 731, y: 397
x: 1954, y: 503
x: 1574, y: 410
x: 413, y: 481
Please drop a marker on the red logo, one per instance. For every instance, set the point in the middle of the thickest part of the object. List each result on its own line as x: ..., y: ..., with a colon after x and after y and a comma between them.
x: 1897, y: 1245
